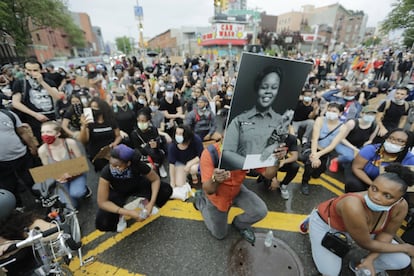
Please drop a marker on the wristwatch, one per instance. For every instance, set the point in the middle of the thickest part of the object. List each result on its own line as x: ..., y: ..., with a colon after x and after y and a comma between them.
x: 213, y: 179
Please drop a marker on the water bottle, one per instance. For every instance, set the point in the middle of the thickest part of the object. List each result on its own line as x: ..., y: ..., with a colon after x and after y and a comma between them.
x: 363, y: 272
x: 269, y: 239
x: 143, y: 214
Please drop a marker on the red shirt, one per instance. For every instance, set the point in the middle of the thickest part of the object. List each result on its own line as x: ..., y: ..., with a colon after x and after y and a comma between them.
x: 228, y: 189
x: 336, y: 220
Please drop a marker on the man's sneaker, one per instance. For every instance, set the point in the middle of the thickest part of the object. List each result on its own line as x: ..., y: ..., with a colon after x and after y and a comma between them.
x: 304, y: 226
x: 305, y: 188
x: 163, y: 172
x: 88, y: 193
x: 284, y: 192
x: 248, y: 235
x: 121, y: 224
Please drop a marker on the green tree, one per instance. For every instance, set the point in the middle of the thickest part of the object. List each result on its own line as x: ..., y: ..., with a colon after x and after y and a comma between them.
x: 21, y: 17
x: 401, y: 17
x: 123, y: 44
x: 371, y: 41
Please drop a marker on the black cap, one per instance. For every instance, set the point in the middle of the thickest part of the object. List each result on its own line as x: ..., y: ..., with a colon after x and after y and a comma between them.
x: 169, y: 87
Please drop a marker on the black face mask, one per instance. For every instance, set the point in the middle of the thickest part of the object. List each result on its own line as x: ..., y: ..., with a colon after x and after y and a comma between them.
x: 96, y: 113
x: 119, y: 98
x: 78, y: 109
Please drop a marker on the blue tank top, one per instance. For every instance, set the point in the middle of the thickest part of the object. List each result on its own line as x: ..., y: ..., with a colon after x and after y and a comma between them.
x: 323, y: 143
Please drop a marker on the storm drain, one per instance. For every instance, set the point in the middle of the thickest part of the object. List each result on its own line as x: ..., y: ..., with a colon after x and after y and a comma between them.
x: 279, y: 259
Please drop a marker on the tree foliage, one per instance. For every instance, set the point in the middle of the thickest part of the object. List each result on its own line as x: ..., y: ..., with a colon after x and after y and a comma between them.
x: 401, y: 17
x: 123, y: 44
x: 21, y: 17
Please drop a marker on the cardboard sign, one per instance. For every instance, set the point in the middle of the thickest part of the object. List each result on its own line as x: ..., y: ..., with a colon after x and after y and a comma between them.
x: 74, y: 166
x: 82, y: 81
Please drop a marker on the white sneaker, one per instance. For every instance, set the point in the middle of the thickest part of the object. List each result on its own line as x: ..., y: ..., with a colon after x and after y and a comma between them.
x: 121, y: 224
x: 179, y: 193
x: 163, y: 172
x: 284, y: 191
x: 304, y: 140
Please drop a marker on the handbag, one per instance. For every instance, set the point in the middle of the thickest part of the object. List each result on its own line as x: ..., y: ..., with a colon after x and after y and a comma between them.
x: 336, y: 242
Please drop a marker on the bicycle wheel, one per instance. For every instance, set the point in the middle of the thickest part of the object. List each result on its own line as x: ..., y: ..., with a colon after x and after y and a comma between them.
x: 71, y: 219
x: 64, y: 271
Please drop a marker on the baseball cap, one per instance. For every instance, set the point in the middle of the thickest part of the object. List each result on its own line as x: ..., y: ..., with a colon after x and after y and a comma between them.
x: 169, y: 87
x: 203, y: 98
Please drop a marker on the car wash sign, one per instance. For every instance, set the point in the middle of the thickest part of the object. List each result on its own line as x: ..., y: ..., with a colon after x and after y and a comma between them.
x: 229, y: 31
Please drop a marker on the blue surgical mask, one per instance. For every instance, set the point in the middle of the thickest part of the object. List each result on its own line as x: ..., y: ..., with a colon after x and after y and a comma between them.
x: 378, y: 208
x: 179, y: 139
x: 331, y: 115
x: 349, y: 98
x: 392, y: 148
x: 368, y: 118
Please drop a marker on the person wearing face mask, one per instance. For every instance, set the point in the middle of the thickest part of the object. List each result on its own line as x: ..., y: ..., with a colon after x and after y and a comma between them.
x: 305, y: 112
x: 146, y: 139
x: 171, y: 107
x: 56, y: 147
x: 203, y: 121
x: 125, y: 176
x: 327, y: 133
x: 71, y: 119
x: 125, y: 113
x: 347, y: 95
x: 392, y: 113
x: 361, y: 132
x: 157, y: 120
x: 184, y: 157
x: 371, y: 159
x: 103, y: 131
x: 370, y: 219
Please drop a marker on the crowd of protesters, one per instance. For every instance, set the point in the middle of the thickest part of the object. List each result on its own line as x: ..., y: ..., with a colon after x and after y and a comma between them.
x: 354, y: 110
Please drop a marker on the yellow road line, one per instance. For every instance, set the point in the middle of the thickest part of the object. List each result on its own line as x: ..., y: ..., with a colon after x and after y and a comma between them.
x: 183, y: 210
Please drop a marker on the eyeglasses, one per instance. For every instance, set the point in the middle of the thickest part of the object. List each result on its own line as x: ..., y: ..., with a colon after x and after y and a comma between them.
x: 400, y: 142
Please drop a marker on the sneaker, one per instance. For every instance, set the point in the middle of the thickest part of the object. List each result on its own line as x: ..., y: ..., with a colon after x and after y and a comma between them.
x: 248, y: 235
x: 163, y: 172
x: 362, y: 271
x: 121, y: 224
x: 196, y: 199
x: 284, y: 192
x: 304, y: 140
x: 305, y: 188
x: 88, y: 193
x: 304, y: 226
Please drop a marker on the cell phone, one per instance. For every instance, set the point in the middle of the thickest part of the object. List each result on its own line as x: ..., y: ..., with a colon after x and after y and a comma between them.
x: 87, y: 111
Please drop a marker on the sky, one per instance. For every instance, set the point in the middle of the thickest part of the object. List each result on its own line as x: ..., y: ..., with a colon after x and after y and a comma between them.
x: 116, y: 17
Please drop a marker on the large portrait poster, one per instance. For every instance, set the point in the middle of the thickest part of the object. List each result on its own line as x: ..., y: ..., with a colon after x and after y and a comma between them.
x: 266, y: 92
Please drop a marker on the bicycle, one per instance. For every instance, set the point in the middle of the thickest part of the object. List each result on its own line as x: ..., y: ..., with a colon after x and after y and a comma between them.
x: 56, y: 199
x: 49, y: 254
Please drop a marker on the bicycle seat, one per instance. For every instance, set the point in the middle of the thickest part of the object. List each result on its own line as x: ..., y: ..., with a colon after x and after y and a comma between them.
x: 43, y: 188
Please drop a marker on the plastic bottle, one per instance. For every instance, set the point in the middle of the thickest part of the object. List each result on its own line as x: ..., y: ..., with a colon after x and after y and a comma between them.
x: 269, y: 239
x: 143, y: 214
x: 363, y: 272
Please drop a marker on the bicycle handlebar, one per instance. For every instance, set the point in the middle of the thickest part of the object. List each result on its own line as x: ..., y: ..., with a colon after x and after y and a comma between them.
x: 31, y: 239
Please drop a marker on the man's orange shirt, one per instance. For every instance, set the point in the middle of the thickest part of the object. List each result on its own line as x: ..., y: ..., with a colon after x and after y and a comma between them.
x: 228, y: 189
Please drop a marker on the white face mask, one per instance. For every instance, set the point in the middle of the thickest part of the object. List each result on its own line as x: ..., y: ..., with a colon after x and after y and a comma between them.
x: 331, y: 115
x: 392, y: 148
x: 399, y: 102
x: 143, y: 126
x: 349, y: 98
x: 179, y: 139
x: 169, y: 94
x: 368, y: 118
x: 141, y: 101
x: 307, y: 99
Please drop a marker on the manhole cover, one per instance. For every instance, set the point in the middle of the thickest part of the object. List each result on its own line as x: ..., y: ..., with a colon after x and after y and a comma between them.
x: 279, y: 259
